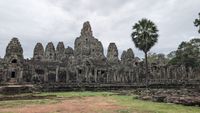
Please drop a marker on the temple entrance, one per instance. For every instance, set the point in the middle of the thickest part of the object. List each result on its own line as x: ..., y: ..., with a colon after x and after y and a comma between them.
x: 13, y: 78
x: 62, y: 76
x: 13, y: 74
x: 51, y: 78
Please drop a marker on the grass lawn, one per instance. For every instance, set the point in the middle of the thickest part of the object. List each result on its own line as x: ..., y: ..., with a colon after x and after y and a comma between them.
x: 126, y: 104
x: 153, y: 107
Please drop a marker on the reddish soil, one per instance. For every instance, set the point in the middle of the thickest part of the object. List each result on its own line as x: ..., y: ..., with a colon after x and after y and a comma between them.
x: 73, y: 105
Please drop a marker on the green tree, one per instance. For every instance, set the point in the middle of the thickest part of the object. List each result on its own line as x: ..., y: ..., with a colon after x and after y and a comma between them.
x: 197, y: 23
x: 159, y: 59
x: 187, y: 54
x: 144, y: 36
x: 171, y: 55
x: 172, y: 58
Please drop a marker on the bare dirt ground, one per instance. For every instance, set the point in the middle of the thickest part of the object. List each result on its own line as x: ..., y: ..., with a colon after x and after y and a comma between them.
x: 72, y: 105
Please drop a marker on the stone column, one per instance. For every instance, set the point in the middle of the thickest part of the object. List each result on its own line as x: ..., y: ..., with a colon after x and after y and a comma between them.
x: 95, y: 75
x: 46, y: 76
x: 57, y: 69
x: 107, y: 77
x: 77, y: 75
x: 87, y: 74
x: 67, y: 75
x: 21, y: 76
x: 130, y: 76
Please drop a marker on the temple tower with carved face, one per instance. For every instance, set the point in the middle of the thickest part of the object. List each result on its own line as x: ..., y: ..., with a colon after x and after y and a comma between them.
x: 38, y: 52
x: 14, y: 59
x: 86, y: 45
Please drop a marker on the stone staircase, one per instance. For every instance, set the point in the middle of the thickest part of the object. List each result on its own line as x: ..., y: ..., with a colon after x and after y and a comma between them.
x: 12, y: 81
x: 12, y: 89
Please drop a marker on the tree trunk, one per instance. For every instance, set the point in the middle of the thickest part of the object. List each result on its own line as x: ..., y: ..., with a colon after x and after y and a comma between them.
x: 146, y: 69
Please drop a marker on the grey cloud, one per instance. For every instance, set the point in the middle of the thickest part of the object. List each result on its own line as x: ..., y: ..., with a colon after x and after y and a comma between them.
x: 35, y: 21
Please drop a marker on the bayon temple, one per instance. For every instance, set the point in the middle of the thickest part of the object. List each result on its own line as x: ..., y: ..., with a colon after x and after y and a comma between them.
x: 86, y: 64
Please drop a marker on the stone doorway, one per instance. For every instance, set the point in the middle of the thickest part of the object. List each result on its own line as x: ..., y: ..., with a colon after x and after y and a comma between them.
x: 51, y: 78
x: 13, y: 74
x: 13, y: 78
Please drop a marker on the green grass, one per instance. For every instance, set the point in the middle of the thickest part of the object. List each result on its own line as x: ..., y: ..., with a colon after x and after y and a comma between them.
x: 130, y: 103
x: 76, y: 94
x: 18, y: 103
x: 153, y: 107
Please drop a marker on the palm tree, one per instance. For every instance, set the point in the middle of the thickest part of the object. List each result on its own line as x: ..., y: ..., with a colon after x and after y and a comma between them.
x: 197, y: 23
x: 145, y: 36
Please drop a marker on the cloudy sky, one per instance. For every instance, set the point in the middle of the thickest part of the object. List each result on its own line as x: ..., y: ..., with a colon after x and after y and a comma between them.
x: 35, y: 21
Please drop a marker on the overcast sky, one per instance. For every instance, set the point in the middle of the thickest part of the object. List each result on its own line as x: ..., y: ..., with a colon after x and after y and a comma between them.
x: 43, y: 21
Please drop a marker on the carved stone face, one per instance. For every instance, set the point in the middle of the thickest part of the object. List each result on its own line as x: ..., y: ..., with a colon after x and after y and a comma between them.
x: 69, y: 51
x: 60, y: 50
x: 128, y: 58
x: 14, y: 50
x: 38, y: 53
x: 112, y: 54
x: 86, y: 45
x: 130, y: 54
x: 50, y: 51
x: 86, y: 30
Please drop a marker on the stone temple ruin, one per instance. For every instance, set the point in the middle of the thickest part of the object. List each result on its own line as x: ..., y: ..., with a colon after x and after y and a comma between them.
x: 86, y: 66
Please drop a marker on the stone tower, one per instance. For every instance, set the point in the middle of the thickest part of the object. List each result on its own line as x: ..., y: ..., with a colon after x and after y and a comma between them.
x: 112, y: 54
x: 60, y: 51
x: 123, y: 57
x: 14, y: 52
x: 86, y: 45
x: 50, y: 53
x: 86, y: 31
x: 38, y: 53
x: 128, y: 57
x: 14, y: 58
x: 69, y: 51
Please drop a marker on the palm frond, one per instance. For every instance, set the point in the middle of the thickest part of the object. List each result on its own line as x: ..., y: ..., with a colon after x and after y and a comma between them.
x: 144, y: 34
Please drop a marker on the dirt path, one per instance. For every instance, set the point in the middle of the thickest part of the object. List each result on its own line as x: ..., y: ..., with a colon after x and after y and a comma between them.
x: 74, y: 105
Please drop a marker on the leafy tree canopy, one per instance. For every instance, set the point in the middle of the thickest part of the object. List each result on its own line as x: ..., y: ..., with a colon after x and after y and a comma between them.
x: 188, y: 54
x: 144, y: 35
x: 197, y: 23
x: 159, y: 59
